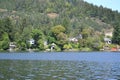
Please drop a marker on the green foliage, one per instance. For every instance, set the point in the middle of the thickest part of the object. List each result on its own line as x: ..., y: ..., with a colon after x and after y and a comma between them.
x: 57, y: 29
x: 51, y: 39
x: 4, y: 44
x: 57, y: 48
x: 23, y: 46
x: 75, y: 45
x: 67, y: 46
x: 116, y: 34
x: 7, y: 23
x: 41, y: 44
x: 85, y: 49
x: 60, y: 36
x: 37, y: 35
x: 112, y: 46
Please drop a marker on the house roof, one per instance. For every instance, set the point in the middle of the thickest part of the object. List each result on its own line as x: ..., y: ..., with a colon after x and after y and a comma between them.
x: 107, y: 39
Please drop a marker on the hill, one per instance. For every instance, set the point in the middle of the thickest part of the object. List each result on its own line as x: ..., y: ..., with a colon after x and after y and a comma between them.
x: 23, y: 16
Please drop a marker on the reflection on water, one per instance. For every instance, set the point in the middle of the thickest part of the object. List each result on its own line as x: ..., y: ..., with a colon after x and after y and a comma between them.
x: 58, y: 70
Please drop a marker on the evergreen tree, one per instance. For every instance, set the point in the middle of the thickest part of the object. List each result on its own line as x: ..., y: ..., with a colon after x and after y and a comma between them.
x: 116, y: 34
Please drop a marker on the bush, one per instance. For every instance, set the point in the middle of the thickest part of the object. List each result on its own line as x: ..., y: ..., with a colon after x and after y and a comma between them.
x: 85, y: 49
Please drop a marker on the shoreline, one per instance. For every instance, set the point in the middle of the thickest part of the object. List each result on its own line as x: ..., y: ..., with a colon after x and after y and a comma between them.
x: 36, y: 51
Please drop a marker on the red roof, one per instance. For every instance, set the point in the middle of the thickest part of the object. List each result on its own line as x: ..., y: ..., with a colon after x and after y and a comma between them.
x: 113, y: 49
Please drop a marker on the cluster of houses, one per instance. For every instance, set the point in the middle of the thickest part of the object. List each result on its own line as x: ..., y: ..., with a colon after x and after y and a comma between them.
x: 107, y: 40
x: 12, y: 45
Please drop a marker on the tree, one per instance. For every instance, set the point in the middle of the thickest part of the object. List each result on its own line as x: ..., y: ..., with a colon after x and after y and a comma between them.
x: 67, y: 46
x: 1, y: 29
x: 4, y: 44
x: 37, y: 35
x: 60, y: 36
x: 8, y: 28
x: 23, y: 25
x: 40, y: 44
x: 116, y: 34
x: 58, y: 29
x: 61, y: 39
x: 22, y: 45
x: 87, y: 32
x: 51, y: 39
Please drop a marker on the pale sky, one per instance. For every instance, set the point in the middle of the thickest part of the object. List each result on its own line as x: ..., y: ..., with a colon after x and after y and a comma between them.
x: 112, y: 4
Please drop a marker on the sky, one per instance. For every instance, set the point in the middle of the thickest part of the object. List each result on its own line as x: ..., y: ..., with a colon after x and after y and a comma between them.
x: 112, y: 4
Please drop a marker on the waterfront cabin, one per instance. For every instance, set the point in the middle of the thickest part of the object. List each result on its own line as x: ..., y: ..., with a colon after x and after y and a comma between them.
x: 12, y: 46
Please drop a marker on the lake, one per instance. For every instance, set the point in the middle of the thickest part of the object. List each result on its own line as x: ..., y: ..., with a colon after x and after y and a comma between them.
x: 60, y: 66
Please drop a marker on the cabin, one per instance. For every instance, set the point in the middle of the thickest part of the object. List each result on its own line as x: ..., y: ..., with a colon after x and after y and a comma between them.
x: 107, y: 40
x: 31, y: 41
x: 12, y: 46
x: 52, y: 46
x: 73, y: 39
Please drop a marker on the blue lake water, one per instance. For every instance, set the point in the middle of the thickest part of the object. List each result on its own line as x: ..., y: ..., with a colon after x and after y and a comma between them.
x: 60, y: 66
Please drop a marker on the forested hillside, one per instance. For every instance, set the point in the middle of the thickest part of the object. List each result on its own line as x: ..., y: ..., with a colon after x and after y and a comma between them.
x: 54, y: 21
